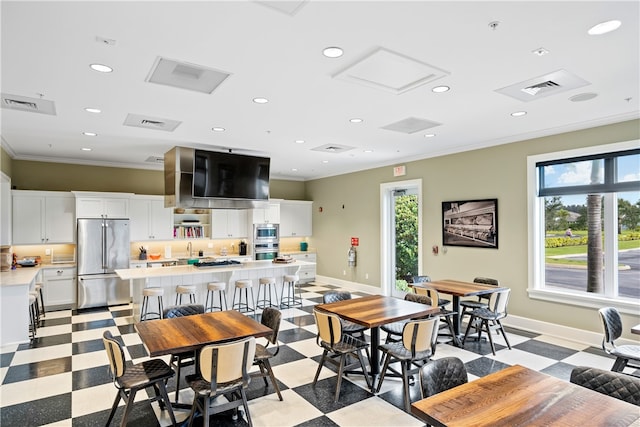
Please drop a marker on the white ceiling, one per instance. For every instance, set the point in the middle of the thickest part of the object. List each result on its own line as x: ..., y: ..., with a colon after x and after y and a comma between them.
x: 47, y: 48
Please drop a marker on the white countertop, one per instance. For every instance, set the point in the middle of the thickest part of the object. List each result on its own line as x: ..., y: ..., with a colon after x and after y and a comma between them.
x: 19, y: 277
x: 183, y: 270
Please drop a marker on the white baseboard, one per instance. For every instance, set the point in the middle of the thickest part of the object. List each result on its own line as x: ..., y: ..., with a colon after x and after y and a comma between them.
x: 530, y: 325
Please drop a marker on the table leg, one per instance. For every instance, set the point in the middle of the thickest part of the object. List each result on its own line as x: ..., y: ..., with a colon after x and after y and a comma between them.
x: 375, y: 356
x: 456, y: 317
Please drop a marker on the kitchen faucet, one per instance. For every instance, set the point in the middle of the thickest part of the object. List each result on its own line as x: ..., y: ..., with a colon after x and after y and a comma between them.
x: 190, y: 249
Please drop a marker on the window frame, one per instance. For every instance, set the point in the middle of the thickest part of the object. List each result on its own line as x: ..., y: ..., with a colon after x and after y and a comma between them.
x: 536, y: 288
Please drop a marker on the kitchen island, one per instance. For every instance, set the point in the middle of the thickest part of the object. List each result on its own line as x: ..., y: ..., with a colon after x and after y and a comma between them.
x: 14, y: 304
x: 170, y: 277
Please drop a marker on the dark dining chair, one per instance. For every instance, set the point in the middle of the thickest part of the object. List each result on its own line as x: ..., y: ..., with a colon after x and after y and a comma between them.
x: 130, y: 379
x: 614, y: 384
x: 187, y: 358
x: 271, y: 318
x: 441, y: 374
x: 482, y: 301
x: 626, y: 355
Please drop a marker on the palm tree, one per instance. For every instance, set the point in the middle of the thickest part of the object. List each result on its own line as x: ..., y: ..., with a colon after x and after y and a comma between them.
x: 594, y: 235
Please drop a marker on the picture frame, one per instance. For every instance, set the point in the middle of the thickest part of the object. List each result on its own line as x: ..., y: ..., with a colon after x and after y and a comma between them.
x: 470, y: 223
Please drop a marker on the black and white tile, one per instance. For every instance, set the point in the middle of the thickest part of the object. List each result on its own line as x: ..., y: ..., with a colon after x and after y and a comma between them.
x: 61, y: 378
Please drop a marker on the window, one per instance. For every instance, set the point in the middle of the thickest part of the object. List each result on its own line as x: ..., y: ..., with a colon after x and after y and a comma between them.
x: 584, y: 208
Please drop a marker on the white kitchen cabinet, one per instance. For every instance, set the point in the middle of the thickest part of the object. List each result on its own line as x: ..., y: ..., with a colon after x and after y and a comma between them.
x: 295, y: 218
x: 149, y: 219
x: 102, y: 205
x: 229, y: 223
x: 59, y: 287
x: 307, y: 273
x: 43, y: 217
x: 5, y: 210
x: 269, y: 215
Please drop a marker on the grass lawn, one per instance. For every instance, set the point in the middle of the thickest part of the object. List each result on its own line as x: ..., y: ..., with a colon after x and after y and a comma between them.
x: 581, y: 250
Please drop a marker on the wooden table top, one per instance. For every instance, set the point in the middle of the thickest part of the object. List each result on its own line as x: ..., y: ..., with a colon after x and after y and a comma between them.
x: 376, y: 310
x: 518, y: 396
x: 179, y: 334
x: 458, y: 288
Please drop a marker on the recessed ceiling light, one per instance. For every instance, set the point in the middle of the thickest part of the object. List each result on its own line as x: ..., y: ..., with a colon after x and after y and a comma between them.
x: 294, y: 170
x: 368, y: 151
x: 604, y: 27
x: 260, y: 100
x: 332, y: 52
x: 101, y: 68
x: 218, y: 129
x: 440, y: 89
x: 89, y: 134
x: 429, y: 135
x: 583, y: 97
x: 519, y: 113
x: 325, y: 161
x: 299, y: 141
x: 92, y: 110
x: 356, y: 120
x: 86, y: 149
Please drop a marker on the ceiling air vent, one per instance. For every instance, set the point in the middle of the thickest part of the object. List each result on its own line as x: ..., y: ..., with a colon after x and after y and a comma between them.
x: 155, y: 159
x: 33, y: 105
x: 186, y: 76
x: 147, y: 122
x: 543, y: 86
x: 411, y: 125
x: 332, y: 148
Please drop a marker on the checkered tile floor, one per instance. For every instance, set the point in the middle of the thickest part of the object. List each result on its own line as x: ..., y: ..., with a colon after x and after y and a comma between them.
x: 61, y: 378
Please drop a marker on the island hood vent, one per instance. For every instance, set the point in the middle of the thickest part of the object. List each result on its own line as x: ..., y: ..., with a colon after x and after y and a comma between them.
x: 242, y: 183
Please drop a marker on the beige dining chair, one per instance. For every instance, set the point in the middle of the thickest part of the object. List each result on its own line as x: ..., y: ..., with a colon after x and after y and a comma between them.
x: 130, y: 379
x: 224, y: 370
x: 482, y: 300
x: 338, y: 345
x: 416, y: 348
x: 488, y: 319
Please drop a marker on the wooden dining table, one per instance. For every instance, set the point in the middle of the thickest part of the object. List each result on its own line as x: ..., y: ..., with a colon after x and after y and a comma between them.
x: 519, y: 396
x: 457, y: 289
x: 373, y: 311
x: 191, y: 333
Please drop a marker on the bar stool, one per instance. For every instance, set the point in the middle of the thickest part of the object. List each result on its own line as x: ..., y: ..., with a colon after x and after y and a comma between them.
x: 243, y: 307
x: 185, y: 290
x: 290, y: 300
x: 33, y: 322
x: 212, y: 288
x: 151, y: 292
x: 40, y: 301
x: 264, y: 284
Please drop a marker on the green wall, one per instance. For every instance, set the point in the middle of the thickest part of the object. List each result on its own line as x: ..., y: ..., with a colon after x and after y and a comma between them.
x: 496, y: 172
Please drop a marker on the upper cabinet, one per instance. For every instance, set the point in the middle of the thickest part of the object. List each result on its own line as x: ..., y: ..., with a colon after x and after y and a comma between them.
x: 149, y: 219
x: 43, y: 217
x: 229, y: 223
x: 102, y: 205
x: 270, y: 215
x: 295, y: 218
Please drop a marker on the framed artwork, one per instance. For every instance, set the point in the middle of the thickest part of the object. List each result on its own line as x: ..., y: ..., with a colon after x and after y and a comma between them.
x: 471, y: 223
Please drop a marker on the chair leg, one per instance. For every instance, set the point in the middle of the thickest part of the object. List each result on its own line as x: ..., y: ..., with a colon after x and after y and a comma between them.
x: 267, y: 366
x: 177, y: 361
x: 504, y: 334
x: 113, y: 408
x: 405, y: 384
x: 165, y: 397
x: 245, y: 404
x: 471, y: 320
x: 619, y: 364
x: 387, y: 359
x: 339, y: 382
x: 320, y: 365
x: 486, y: 324
x: 364, y: 369
x: 129, y: 406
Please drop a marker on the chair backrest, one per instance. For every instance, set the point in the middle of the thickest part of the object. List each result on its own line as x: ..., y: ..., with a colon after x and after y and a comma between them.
x: 498, y: 302
x: 183, y: 310
x: 329, y: 326
x: 614, y: 384
x: 115, y: 353
x: 420, y: 335
x: 335, y: 296
x: 486, y: 281
x: 419, y: 298
x: 271, y: 318
x: 228, y: 362
x: 612, y: 323
x: 442, y: 374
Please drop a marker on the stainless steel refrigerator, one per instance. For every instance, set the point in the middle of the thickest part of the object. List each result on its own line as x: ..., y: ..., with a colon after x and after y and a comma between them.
x: 103, y: 247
